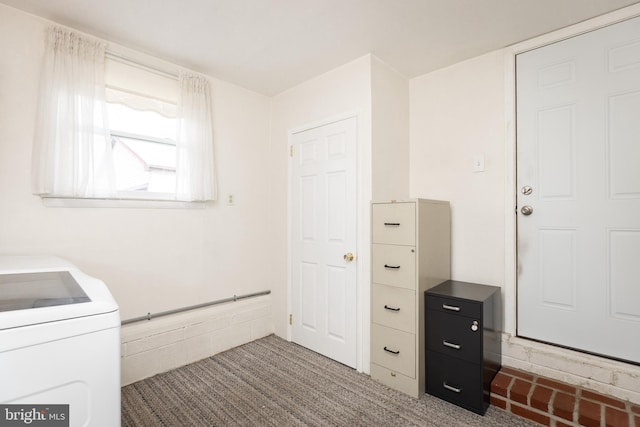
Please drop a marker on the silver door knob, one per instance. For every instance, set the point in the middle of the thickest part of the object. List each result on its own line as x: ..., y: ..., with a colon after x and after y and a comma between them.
x: 526, y: 210
x: 348, y: 257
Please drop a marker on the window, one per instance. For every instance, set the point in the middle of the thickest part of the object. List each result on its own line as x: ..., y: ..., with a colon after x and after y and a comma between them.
x: 143, y: 130
x: 111, y: 128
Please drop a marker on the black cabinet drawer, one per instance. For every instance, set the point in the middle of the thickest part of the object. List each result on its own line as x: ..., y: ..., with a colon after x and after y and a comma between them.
x: 454, y: 306
x: 454, y: 335
x: 456, y: 381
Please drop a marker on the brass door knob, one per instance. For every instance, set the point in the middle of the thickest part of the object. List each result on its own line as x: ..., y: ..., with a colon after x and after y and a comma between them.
x: 348, y: 257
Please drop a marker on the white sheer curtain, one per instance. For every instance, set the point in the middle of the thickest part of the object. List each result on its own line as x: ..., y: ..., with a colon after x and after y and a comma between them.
x: 194, y: 162
x: 72, y: 148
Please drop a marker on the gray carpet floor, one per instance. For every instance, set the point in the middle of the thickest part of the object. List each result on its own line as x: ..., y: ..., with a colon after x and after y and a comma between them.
x: 272, y: 382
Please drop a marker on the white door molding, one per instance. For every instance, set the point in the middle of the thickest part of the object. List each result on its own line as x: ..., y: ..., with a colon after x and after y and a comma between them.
x: 363, y: 195
x: 614, y: 378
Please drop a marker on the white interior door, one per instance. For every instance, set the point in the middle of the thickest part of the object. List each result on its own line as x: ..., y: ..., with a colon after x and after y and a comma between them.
x: 578, y: 149
x: 323, y: 274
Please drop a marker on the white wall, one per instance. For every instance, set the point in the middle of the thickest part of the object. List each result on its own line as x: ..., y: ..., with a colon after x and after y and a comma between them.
x: 457, y: 113
x: 151, y: 259
x: 379, y: 96
x: 345, y: 90
x: 390, y: 132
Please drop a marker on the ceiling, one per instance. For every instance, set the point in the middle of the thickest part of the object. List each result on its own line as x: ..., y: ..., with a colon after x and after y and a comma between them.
x: 271, y: 45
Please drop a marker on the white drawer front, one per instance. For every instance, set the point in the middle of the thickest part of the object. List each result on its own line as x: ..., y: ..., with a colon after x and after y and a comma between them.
x: 394, y: 223
x: 395, y: 380
x: 394, y: 307
x: 394, y: 349
x: 393, y: 265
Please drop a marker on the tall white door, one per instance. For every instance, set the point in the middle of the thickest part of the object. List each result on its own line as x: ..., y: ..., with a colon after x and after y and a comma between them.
x: 578, y: 149
x: 323, y: 246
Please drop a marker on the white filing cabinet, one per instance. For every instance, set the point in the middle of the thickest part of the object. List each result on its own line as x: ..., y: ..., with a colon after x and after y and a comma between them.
x: 410, y: 253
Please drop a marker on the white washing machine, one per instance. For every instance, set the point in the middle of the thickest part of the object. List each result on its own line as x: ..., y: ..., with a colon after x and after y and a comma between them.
x: 59, y: 342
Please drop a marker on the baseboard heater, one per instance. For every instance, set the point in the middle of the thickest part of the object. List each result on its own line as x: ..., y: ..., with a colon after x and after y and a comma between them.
x: 234, y: 298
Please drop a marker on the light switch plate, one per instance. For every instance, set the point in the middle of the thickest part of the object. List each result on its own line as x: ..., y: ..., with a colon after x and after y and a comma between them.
x: 478, y: 164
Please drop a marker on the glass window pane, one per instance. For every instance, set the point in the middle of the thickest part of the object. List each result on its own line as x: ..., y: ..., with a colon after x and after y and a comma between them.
x: 142, y: 164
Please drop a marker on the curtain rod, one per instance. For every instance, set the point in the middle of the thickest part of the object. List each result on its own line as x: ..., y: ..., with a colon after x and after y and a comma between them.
x: 234, y: 298
x: 128, y: 61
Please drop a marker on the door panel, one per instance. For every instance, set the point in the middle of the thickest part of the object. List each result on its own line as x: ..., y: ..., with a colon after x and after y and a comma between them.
x: 578, y: 121
x: 558, y: 267
x: 556, y: 145
x: 624, y: 248
x: 624, y: 127
x: 323, y: 232
x: 308, y: 295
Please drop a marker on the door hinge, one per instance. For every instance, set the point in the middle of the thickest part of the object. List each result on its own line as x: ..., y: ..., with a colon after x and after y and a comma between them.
x: 291, y: 151
x: 291, y: 319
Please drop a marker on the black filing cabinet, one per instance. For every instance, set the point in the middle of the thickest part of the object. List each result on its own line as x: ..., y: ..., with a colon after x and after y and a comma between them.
x: 463, y: 345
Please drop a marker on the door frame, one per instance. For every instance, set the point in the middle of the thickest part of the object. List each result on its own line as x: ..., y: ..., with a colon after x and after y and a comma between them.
x: 362, y: 235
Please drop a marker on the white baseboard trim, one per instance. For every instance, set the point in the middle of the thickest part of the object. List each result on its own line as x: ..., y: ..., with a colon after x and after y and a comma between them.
x: 159, y: 345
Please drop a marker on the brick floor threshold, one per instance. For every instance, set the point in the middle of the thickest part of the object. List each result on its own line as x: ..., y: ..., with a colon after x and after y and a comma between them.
x: 552, y: 403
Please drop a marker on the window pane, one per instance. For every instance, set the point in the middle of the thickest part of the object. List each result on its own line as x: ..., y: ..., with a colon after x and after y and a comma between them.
x: 144, y: 165
x: 144, y: 150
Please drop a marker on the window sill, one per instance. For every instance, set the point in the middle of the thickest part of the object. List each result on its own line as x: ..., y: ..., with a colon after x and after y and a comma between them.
x: 62, y: 202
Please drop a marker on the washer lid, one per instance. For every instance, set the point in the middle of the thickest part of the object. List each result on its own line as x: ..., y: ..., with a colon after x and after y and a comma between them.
x: 22, y: 291
x: 36, y: 290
